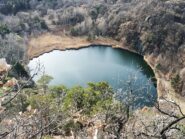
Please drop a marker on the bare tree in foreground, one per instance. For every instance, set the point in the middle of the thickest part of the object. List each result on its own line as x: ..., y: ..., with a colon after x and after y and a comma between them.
x: 164, y: 120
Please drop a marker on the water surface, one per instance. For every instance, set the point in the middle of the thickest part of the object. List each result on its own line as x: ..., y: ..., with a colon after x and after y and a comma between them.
x: 126, y: 72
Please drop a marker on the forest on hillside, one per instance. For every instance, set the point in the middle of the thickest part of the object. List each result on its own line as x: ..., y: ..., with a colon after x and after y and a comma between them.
x: 154, y: 28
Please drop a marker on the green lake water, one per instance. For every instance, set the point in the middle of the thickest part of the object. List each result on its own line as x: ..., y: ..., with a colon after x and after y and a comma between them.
x: 127, y: 72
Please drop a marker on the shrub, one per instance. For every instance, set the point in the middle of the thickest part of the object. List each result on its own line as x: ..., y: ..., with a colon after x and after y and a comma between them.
x: 42, y: 101
x: 44, y: 81
x: 158, y: 66
x: 19, y: 70
x: 18, y: 104
x: 90, y: 37
x: 71, y: 125
x: 43, y: 25
x: 4, y: 30
x: 93, y: 99
x: 176, y: 83
x: 74, y: 32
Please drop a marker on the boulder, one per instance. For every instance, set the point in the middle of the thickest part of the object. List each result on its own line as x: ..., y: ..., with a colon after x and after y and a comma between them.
x: 4, y: 67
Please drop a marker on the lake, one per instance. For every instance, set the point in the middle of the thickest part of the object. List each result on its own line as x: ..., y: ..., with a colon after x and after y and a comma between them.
x: 127, y: 72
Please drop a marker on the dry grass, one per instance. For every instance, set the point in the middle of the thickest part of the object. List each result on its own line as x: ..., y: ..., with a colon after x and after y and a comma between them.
x: 48, y: 42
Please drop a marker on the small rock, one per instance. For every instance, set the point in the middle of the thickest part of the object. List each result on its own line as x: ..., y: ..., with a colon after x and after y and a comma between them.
x: 1, y: 84
x: 29, y: 108
x: 11, y: 83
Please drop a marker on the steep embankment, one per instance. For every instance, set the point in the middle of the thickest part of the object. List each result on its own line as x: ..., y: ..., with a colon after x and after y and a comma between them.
x: 164, y: 85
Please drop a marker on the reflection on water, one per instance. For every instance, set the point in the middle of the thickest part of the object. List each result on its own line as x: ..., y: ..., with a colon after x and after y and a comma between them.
x: 121, y: 69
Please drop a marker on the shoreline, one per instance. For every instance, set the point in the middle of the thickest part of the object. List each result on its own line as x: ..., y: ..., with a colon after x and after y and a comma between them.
x: 81, y: 47
x: 49, y: 42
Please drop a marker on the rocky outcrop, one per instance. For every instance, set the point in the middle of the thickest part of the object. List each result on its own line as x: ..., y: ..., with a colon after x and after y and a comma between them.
x: 4, y: 67
x: 4, y: 81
